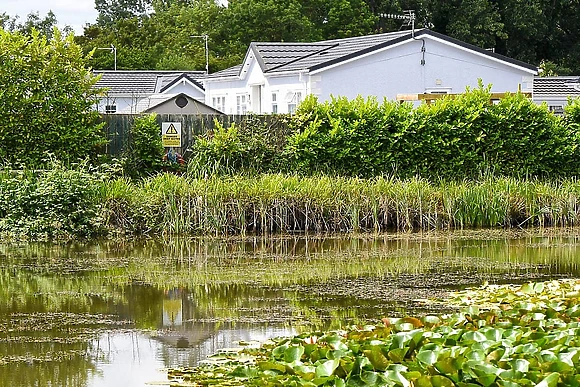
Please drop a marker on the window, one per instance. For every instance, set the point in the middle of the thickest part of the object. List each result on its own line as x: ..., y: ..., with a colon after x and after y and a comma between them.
x: 556, y: 109
x: 219, y: 103
x: 241, y: 104
x: 109, y: 109
x: 294, y: 101
x: 274, y: 103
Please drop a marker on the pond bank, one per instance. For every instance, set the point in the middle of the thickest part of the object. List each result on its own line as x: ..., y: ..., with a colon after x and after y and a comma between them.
x: 71, y: 204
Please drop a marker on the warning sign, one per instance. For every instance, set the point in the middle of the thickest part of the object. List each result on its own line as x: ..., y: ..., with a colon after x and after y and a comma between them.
x: 171, y: 134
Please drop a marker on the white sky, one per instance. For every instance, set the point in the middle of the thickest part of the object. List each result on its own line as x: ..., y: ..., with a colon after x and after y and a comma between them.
x: 75, y: 13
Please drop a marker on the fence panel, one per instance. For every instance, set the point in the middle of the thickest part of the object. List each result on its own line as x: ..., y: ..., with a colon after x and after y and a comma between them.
x: 118, y: 127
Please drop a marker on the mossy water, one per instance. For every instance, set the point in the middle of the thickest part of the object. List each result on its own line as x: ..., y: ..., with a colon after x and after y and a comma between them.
x: 118, y: 313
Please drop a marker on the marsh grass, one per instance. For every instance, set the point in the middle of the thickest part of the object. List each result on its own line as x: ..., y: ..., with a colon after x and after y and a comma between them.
x: 275, y: 203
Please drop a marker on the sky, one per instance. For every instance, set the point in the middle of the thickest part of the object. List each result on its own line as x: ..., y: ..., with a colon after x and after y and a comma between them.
x: 75, y: 13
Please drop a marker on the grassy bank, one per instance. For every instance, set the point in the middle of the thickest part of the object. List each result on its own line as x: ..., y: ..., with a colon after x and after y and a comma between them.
x: 278, y: 203
x: 64, y: 203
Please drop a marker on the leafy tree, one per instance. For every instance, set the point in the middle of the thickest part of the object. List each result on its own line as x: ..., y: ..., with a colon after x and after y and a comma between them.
x: 46, y: 100
x: 111, y: 11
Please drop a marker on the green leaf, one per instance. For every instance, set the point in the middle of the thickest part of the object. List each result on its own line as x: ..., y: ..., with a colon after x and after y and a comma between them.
x: 427, y: 357
x: 550, y: 381
x: 293, y: 353
x: 327, y: 368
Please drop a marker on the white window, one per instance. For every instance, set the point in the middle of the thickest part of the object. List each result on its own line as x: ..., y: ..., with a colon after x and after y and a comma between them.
x: 219, y: 103
x: 241, y: 104
x: 109, y: 109
x: 274, y: 103
x: 294, y: 100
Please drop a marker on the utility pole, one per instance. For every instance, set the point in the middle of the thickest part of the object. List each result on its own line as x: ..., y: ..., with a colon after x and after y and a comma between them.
x: 205, y: 37
x: 113, y: 50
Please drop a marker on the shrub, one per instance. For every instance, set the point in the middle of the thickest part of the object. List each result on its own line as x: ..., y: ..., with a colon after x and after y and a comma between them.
x: 144, y: 154
x: 56, y: 203
x: 227, y: 151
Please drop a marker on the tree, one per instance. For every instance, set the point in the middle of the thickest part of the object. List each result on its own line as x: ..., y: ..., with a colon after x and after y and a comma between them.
x: 111, y: 11
x: 46, y: 100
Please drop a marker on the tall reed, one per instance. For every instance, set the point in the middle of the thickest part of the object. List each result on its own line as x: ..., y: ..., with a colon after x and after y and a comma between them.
x: 286, y: 203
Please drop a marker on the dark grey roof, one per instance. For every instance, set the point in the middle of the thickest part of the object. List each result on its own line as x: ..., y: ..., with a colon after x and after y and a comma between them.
x: 557, y: 86
x: 280, y: 57
x: 229, y: 72
x: 143, y: 82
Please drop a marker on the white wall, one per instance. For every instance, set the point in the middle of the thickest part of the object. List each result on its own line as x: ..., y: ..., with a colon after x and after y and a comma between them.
x: 398, y: 70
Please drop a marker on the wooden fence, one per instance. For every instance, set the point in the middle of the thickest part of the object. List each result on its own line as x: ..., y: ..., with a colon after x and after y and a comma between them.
x: 118, y: 127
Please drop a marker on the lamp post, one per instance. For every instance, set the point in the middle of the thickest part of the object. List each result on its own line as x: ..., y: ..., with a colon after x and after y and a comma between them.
x: 205, y: 37
x: 112, y: 49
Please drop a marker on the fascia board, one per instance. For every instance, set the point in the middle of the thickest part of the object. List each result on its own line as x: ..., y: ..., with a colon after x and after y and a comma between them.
x: 180, y: 83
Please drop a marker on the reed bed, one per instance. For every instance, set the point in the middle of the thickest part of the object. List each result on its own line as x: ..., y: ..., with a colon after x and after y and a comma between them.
x: 276, y: 203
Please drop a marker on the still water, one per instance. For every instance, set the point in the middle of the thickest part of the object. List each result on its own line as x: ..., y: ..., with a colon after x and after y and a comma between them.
x: 120, y: 313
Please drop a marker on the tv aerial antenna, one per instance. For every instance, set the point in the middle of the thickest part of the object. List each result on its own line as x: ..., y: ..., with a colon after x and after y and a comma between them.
x: 408, y: 18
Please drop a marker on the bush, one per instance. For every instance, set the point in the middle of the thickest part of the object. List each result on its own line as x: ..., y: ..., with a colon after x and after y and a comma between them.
x: 56, y: 203
x: 144, y: 154
x: 227, y: 151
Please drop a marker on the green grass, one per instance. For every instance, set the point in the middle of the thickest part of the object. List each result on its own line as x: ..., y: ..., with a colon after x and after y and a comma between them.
x: 275, y: 203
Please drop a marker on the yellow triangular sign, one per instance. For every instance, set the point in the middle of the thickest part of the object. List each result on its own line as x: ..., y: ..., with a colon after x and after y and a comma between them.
x: 171, y: 130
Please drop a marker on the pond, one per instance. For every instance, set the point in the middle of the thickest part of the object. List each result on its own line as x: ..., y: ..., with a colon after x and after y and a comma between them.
x: 118, y: 313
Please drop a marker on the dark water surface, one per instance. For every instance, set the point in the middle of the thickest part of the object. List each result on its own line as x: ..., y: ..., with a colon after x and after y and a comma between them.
x: 119, y: 313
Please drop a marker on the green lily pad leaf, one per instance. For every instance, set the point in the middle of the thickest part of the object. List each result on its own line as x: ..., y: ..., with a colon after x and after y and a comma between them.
x: 397, y: 355
x: 377, y: 358
x: 397, y: 377
x: 527, y: 288
x: 369, y: 377
x: 279, y: 351
x: 559, y: 366
x: 487, y: 380
x: 550, y: 381
x: 269, y: 365
x: 431, y: 320
x: 567, y: 357
x: 427, y: 357
x: 327, y: 368
x: 521, y: 365
x: 473, y: 336
x: 447, y: 367
x: 306, y: 372
x: 441, y: 381
x: 495, y: 355
x: 539, y: 287
x: 494, y: 334
x: 293, y: 353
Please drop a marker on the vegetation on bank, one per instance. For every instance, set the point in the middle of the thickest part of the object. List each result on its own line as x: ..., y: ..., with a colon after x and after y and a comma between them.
x: 503, y: 336
x: 64, y: 203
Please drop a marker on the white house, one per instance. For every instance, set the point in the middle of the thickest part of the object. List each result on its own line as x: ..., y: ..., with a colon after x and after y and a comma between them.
x: 275, y: 77
x: 132, y: 92
x: 555, y: 91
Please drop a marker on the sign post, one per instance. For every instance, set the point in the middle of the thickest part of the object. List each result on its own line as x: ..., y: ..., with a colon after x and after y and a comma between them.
x: 171, y: 134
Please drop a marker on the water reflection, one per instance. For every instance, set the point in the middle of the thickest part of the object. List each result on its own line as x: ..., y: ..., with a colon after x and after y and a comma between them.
x: 117, y: 313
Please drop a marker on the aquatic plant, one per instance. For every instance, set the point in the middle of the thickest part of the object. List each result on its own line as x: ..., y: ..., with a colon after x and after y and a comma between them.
x: 506, y: 336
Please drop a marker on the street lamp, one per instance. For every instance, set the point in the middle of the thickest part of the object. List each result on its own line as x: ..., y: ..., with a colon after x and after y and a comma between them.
x: 206, y: 51
x: 112, y: 49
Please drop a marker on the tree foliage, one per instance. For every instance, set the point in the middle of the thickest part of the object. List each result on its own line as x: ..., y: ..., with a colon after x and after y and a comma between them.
x: 46, y: 99
x: 153, y: 34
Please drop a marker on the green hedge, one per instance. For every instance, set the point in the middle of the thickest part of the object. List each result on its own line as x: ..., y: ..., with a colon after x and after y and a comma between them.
x: 453, y: 138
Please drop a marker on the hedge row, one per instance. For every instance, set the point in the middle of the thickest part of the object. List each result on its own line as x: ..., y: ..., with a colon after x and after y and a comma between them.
x: 453, y: 138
